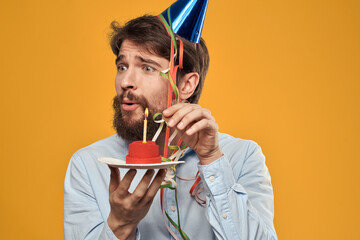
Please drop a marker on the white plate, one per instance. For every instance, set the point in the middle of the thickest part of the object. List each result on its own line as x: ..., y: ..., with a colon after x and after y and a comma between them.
x: 122, y: 164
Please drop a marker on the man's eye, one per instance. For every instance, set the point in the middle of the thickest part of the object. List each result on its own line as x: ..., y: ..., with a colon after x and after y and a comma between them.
x: 121, y: 68
x: 148, y: 69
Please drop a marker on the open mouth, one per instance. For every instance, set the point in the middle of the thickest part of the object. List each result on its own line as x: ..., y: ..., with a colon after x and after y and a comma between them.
x: 129, y: 105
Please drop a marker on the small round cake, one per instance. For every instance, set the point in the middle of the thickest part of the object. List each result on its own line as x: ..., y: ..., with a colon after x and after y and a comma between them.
x: 143, y: 153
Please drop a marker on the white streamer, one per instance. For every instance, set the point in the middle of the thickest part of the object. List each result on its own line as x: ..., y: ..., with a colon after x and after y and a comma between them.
x: 172, y: 136
x: 159, y: 129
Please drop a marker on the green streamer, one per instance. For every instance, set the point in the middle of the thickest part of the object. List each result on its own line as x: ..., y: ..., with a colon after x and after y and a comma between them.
x: 170, y: 32
x: 177, y: 226
x: 169, y: 185
x: 156, y: 115
x: 175, y: 89
x: 183, y: 234
x: 173, y: 86
x: 169, y: 17
x: 164, y: 159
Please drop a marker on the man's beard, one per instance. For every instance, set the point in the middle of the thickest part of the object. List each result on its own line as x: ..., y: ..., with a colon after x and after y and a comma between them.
x: 132, y: 130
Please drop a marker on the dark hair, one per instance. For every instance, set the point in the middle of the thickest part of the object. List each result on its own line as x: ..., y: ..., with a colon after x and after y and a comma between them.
x: 149, y: 31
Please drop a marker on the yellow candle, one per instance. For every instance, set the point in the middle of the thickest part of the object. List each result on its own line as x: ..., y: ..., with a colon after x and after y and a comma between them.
x: 145, y: 125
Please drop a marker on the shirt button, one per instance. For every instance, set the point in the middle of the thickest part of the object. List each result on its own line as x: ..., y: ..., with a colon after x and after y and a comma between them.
x: 173, y: 208
x: 212, y: 178
x: 224, y: 215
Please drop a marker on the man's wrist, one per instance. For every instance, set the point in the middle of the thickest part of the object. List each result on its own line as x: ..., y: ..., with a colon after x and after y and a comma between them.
x: 211, y: 157
x: 122, y: 231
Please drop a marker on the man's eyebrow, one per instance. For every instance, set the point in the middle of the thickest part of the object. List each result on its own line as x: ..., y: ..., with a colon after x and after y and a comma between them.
x: 146, y: 60
x: 118, y: 58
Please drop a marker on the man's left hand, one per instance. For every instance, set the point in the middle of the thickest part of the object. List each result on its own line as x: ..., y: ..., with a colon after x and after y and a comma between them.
x: 198, y: 129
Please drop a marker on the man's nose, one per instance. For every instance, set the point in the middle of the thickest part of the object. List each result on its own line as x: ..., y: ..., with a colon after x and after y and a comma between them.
x: 128, y: 79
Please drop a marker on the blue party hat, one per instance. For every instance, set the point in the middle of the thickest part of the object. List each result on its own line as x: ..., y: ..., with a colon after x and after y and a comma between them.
x: 186, y: 18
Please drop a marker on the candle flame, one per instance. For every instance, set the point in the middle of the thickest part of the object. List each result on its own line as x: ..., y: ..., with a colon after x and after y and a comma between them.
x: 146, y: 112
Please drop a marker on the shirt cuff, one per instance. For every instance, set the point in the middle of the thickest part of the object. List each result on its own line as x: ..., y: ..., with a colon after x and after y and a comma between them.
x: 218, y: 176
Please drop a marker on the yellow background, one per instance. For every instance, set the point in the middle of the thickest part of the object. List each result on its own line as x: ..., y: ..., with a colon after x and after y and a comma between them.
x: 283, y: 73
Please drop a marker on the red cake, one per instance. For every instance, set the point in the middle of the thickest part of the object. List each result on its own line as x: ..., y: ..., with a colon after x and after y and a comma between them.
x: 143, y: 153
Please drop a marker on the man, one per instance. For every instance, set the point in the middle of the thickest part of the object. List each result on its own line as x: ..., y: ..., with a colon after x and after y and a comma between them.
x: 102, y: 202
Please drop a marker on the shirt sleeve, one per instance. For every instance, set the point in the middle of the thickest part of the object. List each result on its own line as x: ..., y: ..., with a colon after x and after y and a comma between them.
x: 239, y: 199
x: 82, y: 217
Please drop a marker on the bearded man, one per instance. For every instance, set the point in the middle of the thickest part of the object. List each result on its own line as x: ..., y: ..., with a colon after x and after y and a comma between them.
x: 102, y: 202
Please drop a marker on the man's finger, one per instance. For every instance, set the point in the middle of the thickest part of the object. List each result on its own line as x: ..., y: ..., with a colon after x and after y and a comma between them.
x: 155, y: 185
x: 125, y: 183
x: 200, y: 125
x: 177, y: 117
x: 193, y: 117
x: 141, y: 188
x: 174, y: 108
x: 114, y: 179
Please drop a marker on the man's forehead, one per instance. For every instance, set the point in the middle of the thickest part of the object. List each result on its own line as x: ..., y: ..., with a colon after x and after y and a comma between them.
x: 139, y: 52
x: 142, y: 50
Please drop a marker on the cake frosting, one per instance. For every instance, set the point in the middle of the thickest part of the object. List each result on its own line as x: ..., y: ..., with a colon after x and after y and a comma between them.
x: 143, y: 153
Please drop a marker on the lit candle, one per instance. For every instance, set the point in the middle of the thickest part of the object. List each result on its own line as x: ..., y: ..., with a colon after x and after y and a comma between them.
x: 145, y: 124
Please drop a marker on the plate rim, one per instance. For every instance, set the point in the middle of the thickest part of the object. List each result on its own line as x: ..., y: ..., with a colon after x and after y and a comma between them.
x: 123, y: 164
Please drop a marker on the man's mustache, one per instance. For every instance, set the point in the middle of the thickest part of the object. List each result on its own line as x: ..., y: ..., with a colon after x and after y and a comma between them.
x: 133, y: 97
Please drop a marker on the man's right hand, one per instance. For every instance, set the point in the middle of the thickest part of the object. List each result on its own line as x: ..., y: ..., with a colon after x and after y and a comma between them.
x: 127, y: 209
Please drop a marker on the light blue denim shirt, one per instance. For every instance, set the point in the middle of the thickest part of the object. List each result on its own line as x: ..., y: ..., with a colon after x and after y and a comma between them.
x: 238, y: 192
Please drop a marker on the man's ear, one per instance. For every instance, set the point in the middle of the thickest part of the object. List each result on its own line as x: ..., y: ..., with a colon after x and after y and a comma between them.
x: 188, y: 84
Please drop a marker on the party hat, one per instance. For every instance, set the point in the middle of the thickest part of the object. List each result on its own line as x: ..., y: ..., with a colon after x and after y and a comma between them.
x: 186, y: 18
